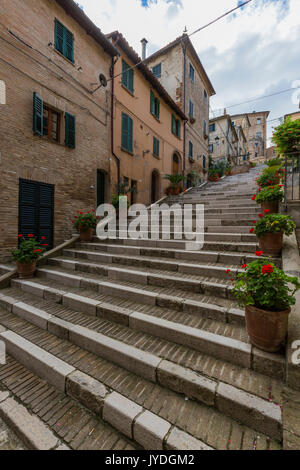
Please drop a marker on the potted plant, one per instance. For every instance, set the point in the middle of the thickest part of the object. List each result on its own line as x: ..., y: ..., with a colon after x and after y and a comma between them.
x: 228, y: 170
x: 287, y: 136
x: 86, y: 223
x: 269, y: 198
x: 270, y: 176
x: 213, y: 175
x: 176, y: 187
x: 269, y: 231
x: 267, y: 294
x: 26, y: 256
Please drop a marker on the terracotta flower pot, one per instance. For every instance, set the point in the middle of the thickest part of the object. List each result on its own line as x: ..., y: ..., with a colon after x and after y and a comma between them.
x: 25, y: 270
x: 86, y: 235
x: 267, y: 330
x: 272, y: 206
x: 271, y: 243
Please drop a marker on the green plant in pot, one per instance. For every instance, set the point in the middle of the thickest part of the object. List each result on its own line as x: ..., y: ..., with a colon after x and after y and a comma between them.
x: 269, y: 198
x: 86, y: 223
x: 213, y: 175
x: 176, y: 186
x: 270, y: 176
x: 26, y: 256
x: 270, y: 230
x: 267, y: 294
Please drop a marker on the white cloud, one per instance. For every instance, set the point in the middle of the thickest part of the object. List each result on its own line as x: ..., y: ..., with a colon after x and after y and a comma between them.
x: 246, y: 55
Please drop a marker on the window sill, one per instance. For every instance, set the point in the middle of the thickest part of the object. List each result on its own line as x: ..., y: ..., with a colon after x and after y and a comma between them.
x: 64, y: 57
x: 156, y: 156
x: 155, y: 117
x: 127, y: 89
x: 178, y: 137
x: 127, y: 151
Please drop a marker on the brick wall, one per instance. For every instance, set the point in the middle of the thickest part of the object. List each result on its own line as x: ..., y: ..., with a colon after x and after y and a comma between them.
x: 64, y: 86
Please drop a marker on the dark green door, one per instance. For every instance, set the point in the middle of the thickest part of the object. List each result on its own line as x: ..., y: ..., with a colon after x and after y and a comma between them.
x: 100, y: 188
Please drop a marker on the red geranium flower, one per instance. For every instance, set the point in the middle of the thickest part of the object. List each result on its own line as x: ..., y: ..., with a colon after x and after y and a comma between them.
x: 43, y: 238
x: 267, y: 211
x: 254, y: 197
x: 30, y: 235
x: 260, y: 215
x: 228, y: 271
x: 259, y: 253
x: 20, y: 236
x: 245, y: 266
x: 252, y: 230
x: 268, y: 269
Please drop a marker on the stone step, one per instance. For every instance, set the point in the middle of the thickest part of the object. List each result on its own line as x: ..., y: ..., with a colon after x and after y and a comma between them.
x: 265, y: 416
x: 233, y: 238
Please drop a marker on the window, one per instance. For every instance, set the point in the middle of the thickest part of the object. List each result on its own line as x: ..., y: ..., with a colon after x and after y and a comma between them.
x: 157, y: 71
x: 127, y: 77
x: 64, y: 40
x: 154, y: 105
x: 51, y: 124
x: 70, y: 131
x: 192, y: 73
x: 127, y: 133
x: 191, y: 109
x: 204, y: 127
x: 259, y: 121
x: 204, y: 162
x: 191, y: 150
x: 258, y: 135
x: 212, y: 127
x: 211, y: 148
x: 155, y: 147
x: 176, y: 127
x: 205, y: 96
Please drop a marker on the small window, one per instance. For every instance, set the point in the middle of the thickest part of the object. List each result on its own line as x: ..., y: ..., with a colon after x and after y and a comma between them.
x: 70, y: 137
x: 259, y: 121
x: 191, y: 149
x: 157, y: 71
x: 211, y: 148
x: 127, y: 133
x: 192, y: 74
x: 127, y: 77
x: 64, y: 41
x: 212, y: 127
x: 51, y: 124
x: 155, y: 147
x: 204, y: 161
x: 191, y: 109
x: 204, y: 127
x: 154, y: 105
x: 176, y: 126
x: 258, y: 135
x: 205, y: 96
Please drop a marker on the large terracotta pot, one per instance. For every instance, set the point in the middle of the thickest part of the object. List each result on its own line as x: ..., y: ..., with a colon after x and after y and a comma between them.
x: 86, y: 235
x: 272, y: 206
x: 25, y: 270
x: 267, y: 330
x: 271, y: 243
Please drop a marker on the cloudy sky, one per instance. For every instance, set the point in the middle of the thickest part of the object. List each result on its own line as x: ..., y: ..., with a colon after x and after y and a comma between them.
x: 252, y: 53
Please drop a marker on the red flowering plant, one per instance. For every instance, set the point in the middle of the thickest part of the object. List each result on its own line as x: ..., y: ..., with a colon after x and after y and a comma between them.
x: 270, y: 194
x: 29, y: 250
x: 84, y: 221
x: 287, y: 136
x: 265, y: 286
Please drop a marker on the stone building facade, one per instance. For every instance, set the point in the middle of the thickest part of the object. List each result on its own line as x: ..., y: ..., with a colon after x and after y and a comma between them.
x: 179, y: 69
x: 147, y: 128
x: 223, y: 140
x: 54, y: 133
x: 256, y: 134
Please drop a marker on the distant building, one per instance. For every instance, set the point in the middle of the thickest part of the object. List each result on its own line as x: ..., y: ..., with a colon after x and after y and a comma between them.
x: 179, y: 69
x: 223, y: 140
x: 271, y: 152
x: 256, y: 134
x: 293, y: 116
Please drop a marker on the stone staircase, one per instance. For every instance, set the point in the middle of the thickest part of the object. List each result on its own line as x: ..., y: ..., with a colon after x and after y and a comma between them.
x: 145, y: 340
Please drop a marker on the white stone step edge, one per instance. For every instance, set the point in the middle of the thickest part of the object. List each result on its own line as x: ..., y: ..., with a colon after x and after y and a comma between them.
x: 144, y: 427
x: 32, y: 431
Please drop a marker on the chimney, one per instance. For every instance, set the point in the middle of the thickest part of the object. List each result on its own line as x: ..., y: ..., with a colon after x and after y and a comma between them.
x: 225, y: 111
x: 144, y: 48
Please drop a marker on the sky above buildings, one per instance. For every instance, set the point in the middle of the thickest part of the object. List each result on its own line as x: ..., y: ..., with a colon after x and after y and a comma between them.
x: 251, y: 53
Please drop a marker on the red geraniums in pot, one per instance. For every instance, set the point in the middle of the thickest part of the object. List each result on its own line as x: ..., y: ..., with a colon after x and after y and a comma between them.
x: 86, y: 224
x: 267, y: 294
x: 270, y: 230
x: 269, y: 198
x: 26, y: 256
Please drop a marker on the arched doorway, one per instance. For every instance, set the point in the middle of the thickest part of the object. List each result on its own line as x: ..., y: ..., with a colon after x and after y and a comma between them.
x: 155, y: 181
x: 176, y: 164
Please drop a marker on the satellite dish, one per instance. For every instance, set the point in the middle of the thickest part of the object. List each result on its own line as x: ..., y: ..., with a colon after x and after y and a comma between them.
x: 103, y: 80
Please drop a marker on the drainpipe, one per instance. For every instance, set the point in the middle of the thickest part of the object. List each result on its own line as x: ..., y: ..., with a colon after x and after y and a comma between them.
x: 184, y: 105
x: 112, y: 70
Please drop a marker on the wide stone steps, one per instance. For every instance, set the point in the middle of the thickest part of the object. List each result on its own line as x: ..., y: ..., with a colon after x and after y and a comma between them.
x: 46, y: 418
x: 264, y: 415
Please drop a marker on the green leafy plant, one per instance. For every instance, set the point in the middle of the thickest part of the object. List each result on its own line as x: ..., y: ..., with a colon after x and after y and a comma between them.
x: 265, y: 286
x: 270, y: 193
x: 29, y: 250
x: 175, y: 179
x: 115, y: 200
x: 269, y: 176
x: 287, y: 136
x: 84, y: 221
x: 274, y: 223
x: 274, y: 162
x: 253, y: 164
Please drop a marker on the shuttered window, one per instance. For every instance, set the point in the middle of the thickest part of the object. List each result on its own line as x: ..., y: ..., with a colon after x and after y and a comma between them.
x: 70, y: 131
x: 127, y: 133
x: 64, y: 40
x: 154, y: 105
x: 176, y: 126
x: 38, y: 111
x: 127, y: 77
x: 191, y: 149
x: 191, y: 109
x: 155, y: 147
x: 157, y: 71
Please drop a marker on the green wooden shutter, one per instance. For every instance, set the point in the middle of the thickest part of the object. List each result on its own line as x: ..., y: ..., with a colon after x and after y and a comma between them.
x: 173, y: 124
x: 178, y: 128
x: 70, y: 139
x: 59, y: 36
x: 155, y: 146
x: 68, y: 45
x: 124, y: 131
x: 131, y: 80
x: 157, y: 109
x: 152, y: 103
x: 38, y: 111
x: 130, y: 134
x: 124, y: 74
